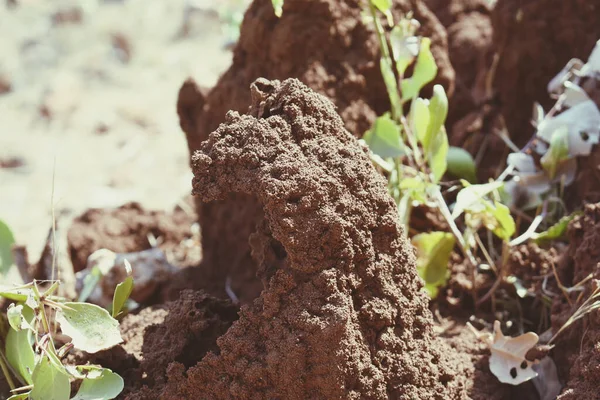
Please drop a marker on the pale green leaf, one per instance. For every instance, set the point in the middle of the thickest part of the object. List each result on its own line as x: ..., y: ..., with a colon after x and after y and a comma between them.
x: 385, y: 7
x: 382, y: 5
x: 98, y: 384
x: 49, y: 383
x: 419, y: 119
x: 384, y: 138
x: 557, y: 153
x: 90, y: 327
x: 7, y: 239
x: 20, y: 354
x: 472, y: 197
x: 437, y: 154
x: 14, y: 313
x: 438, y: 110
x: 122, y: 293
x: 427, y: 119
x: 557, y: 230
x: 433, y: 254
x: 404, y: 48
x: 425, y: 71
x: 89, y: 283
x: 461, y: 164
x: 506, y: 224
x: 18, y: 293
x: 277, y: 7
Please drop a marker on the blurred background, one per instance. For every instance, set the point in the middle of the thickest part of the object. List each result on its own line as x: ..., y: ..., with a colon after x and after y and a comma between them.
x: 88, y: 94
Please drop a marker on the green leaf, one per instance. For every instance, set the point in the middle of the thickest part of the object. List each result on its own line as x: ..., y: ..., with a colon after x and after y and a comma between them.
x: 461, y: 164
x: 14, y: 313
x: 385, y: 7
x: 557, y: 153
x: 405, y: 47
x: 122, y: 293
x: 437, y: 154
x: 98, y: 384
x: 433, y: 254
x: 18, y: 293
x: 90, y: 327
x: 438, y: 111
x: 49, y: 383
x: 506, y: 224
x: 419, y: 119
x: 472, y: 197
x: 425, y: 72
x: 89, y: 283
x: 19, y: 352
x: 384, y: 138
x: 277, y: 7
x: 427, y: 122
x: 382, y: 5
x: 558, y: 230
x: 7, y: 239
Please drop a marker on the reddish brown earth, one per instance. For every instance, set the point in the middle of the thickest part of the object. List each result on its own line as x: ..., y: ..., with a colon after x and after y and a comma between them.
x: 126, y: 229
x: 325, y: 45
x: 578, y: 349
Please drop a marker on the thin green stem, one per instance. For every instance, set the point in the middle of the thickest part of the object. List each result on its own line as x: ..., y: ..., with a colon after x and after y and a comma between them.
x: 43, y: 316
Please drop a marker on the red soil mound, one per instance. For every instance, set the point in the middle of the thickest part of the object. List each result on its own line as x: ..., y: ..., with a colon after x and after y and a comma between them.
x: 341, y: 314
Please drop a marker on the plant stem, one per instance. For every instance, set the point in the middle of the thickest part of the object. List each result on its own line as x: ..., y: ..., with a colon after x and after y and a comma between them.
x: 42, y: 306
x: 459, y: 238
x: 5, y: 371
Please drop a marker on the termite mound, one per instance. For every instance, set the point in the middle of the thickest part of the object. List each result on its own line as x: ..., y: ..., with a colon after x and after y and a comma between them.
x: 342, y: 314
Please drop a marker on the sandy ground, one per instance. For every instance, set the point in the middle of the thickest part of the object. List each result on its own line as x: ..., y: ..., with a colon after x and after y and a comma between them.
x: 90, y: 95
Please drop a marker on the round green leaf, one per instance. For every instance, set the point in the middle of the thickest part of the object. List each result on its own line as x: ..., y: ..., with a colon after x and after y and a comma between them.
x: 99, y: 384
x: 90, y: 327
x: 461, y: 164
x: 384, y: 138
x: 425, y: 70
x: 19, y: 352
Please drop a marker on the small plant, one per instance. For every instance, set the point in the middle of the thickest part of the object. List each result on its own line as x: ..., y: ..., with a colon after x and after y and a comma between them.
x: 32, y: 348
x: 30, y: 353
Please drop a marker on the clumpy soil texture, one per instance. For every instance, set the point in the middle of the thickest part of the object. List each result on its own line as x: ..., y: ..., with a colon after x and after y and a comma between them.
x: 341, y: 314
x: 325, y: 44
x: 579, y: 358
x: 534, y: 40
